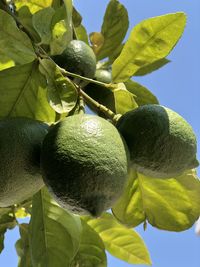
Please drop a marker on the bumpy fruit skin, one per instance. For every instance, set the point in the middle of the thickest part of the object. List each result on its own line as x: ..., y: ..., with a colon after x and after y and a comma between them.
x: 84, y: 162
x: 78, y: 58
x: 20, y: 145
x: 161, y: 143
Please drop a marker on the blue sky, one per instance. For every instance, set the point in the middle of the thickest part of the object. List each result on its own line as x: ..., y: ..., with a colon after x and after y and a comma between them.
x: 177, y: 86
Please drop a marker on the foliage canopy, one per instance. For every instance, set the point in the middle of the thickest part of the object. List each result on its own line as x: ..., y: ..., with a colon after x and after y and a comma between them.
x: 32, y: 85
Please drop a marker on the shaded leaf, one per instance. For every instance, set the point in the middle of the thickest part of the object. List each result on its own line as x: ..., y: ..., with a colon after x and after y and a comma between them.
x: 170, y: 204
x: 143, y: 95
x: 7, y: 221
x: 42, y: 23
x: 54, y: 234
x: 121, y: 242
x: 23, y: 93
x: 152, y: 67
x: 115, y: 97
x: 22, y: 246
x: 97, y: 41
x: 91, y: 250
x: 33, y: 5
x: 62, y: 94
x: 114, y: 28
x: 76, y: 17
x: 25, y: 17
x: 149, y: 41
x: 13, y: 42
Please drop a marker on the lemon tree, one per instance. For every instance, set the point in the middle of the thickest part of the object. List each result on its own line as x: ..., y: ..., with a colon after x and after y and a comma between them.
x: 85, y: 181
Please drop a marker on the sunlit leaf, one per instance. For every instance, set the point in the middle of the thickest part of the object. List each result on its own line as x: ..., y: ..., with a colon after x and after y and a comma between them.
x: 149, y: 41
x: 14, y: 43
x: 5, y: 62
x: 68, y: 18
x: 23, y: 93
x: 81, y: 34
x: 143, y: 95
x: 55, y: 234
x: 62, y: 94
x: 33, y: 5
x: 22, y: 246
x: 42, y: 23
x: 152, y: 67
x: 60, y: 36
x: 129, y: 208
x: 120, y: 241
x: 91, y: 250
x: 170, y: 204
x: 114, y: 28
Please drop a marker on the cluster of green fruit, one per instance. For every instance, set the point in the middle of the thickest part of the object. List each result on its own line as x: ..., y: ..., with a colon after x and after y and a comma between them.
x: 84, y: 159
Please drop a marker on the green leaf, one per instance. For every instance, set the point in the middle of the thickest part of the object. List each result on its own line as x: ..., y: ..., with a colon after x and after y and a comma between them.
x: 97, y: 41
x: 143, y: 95
x: 152, y: 67
x: 91, y: 251
x: 150, y: 41
x: 121, y: 242
x: 7, y: 221
x: 68, y: 18
x: 117, y: 99
x: 60, y: 36
x: 170, y: 204
x: 124, y: 100
x: 33, y: 5
x: 42, y: 23
x: 129, y: 208
x: 114, y: 28
x: 22, y: 246
x: 5, y: 62
x: 54, y: 234
x: 76, y: 18
x: 13, y: 42
x: 25, y: 17
x: 81, y: 34
x: 27, y: 93
x: 62, y: 93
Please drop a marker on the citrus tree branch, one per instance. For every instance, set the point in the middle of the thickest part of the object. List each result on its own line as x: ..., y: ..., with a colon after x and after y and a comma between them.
x: 109, y: 113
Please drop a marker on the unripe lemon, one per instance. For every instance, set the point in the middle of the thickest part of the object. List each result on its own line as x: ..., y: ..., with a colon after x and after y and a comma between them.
x: 85, y: 163
x: 160, y: 141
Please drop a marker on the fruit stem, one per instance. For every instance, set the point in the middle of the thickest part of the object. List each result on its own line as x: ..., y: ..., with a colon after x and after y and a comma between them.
x: 109, y: 113
x: 81, y: 105
x: 67, y: 73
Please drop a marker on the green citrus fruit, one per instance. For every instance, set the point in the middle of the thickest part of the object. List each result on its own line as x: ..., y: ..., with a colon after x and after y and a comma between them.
x: 160, y: 141
x: 84, y: 162
x: 99, y: 93
x: 103, y: 75
x: 79, y: 58
x: 20, y: 144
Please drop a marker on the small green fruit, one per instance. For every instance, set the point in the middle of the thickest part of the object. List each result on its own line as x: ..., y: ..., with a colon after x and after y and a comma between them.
x: 160, y: 141
x: 85, y: 163
x: 79, y: 58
